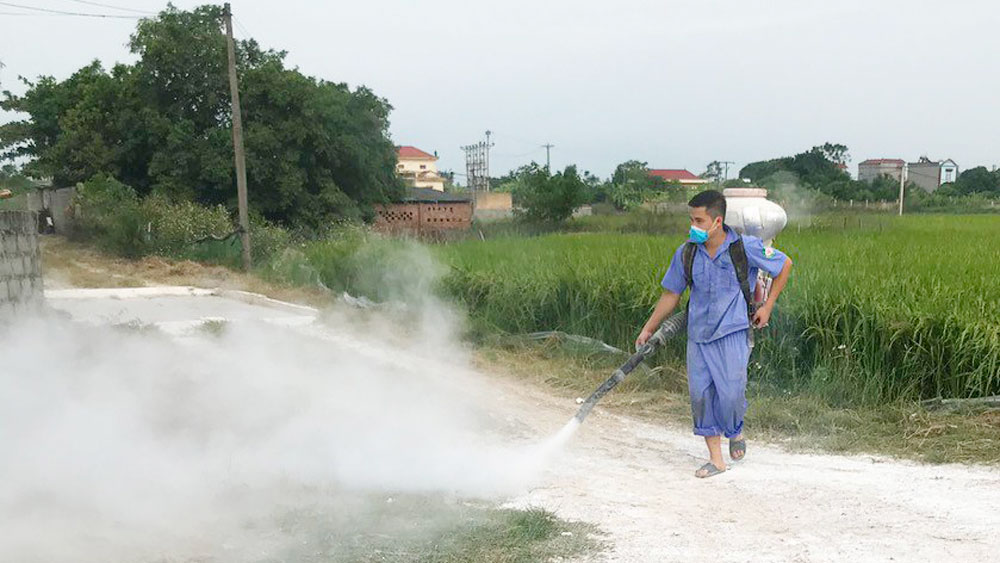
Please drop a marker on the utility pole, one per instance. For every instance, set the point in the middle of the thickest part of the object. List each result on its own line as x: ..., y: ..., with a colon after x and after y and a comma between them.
x: 902, y: 182
x: 488, y: 145
x: 238, y: 155
x: 726, y: 163
x: 547, y: 146
x: 477, y: 164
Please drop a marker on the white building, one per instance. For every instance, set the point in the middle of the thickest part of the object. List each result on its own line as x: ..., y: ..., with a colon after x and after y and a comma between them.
x: 930, y: 174
x: 418, y: 168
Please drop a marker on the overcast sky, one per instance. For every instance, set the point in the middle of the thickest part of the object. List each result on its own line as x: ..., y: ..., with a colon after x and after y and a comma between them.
x: 674, y: 83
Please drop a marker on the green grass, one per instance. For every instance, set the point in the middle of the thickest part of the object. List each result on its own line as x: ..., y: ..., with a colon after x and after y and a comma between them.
x: 429, y: 529
x: 880, y: 309
x: 514, y: 536
x: 896, y: 309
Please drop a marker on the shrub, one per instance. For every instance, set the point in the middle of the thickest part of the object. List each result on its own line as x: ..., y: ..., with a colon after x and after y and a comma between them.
x: 109, y: 212
x: 550, y: 199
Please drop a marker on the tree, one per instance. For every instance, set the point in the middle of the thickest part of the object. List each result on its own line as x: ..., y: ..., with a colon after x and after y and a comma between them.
x: 883, y: 188
x: 512, y: 180
x: 978, y: 180
x: 315, y: 149
x: 631, y: 185
x: 834, y: 152
x: 549, y: 199
x: 631, y: 173
x: 818, y: 169
x: 713, y: 171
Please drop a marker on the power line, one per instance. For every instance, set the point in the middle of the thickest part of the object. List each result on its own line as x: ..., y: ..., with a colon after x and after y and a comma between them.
x: 64, y: 13
x: 98, y: 4
x: 241, y: 27
x: 518, y: 155
x: 33, y: 14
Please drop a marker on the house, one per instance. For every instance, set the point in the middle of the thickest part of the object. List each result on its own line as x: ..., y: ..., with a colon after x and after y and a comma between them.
x: 679, y: 176
x: 930, y: 174
x: 872, y: 168
x: 418, y: 168
x: 425, y: 211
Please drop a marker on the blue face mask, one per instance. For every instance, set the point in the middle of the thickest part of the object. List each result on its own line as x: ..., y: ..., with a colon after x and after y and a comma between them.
x: 697, y: 235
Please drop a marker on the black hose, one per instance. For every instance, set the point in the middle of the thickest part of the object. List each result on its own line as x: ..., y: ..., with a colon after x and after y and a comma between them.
x: 673, y: 325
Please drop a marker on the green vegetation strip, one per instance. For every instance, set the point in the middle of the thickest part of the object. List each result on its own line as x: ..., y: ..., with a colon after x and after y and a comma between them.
x: 899, y: 310
x: 429, y: 529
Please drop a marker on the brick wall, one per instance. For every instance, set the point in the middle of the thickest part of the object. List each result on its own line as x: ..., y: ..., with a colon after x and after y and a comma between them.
x: 20, y: 262
x: 423, y: 218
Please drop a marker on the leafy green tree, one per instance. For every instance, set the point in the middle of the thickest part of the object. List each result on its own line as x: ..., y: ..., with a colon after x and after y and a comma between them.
x: 631, y: 185
x: 818, y: 169
x: 548, y: 198
x: 834, y: 152
x: 978, y: 180
x: 883, y: 188
x: 315, y: 149
x: 511, y: 181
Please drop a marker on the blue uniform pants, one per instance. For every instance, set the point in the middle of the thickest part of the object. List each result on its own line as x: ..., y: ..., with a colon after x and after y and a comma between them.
x: 717, y: 380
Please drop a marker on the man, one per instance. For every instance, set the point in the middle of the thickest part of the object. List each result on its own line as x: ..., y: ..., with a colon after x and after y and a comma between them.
x: 718, y: 346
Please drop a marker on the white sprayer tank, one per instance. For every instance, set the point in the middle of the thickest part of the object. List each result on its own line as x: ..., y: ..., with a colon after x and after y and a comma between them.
x: 750, y: 212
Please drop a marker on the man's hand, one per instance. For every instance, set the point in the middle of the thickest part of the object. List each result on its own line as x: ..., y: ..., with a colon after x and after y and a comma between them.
x: 645, y: 335
x: 668, y: 300
x: 762, y: 316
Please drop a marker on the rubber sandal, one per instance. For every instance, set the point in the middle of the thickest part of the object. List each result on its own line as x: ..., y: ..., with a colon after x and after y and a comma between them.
x: 737, y: 449
x: 710, y: 471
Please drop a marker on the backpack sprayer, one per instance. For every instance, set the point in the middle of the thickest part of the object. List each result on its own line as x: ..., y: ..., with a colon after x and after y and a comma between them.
x: 748, y: 213
x: 676, y: 323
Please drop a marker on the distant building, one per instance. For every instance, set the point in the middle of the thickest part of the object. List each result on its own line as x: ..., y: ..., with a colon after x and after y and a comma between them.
x: 930, y: 174
x: 425, y: 211
x: 418, y: 168
x: 680, y: 176
x: 872, y: 168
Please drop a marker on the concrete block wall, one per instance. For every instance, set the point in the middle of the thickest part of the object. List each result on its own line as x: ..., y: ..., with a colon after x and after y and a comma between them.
x: 20, y: 263
x: 57, y: 202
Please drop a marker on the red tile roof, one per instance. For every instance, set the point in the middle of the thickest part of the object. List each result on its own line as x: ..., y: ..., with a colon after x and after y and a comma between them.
x: 670, y: 175
x: 898, y: 161
x: 413, y: 152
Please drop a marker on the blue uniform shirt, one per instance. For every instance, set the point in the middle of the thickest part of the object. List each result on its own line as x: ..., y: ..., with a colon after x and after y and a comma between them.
x: 717, y: 307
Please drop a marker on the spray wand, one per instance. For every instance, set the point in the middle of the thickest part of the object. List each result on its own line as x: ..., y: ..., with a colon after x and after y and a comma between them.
x: 674, y: 324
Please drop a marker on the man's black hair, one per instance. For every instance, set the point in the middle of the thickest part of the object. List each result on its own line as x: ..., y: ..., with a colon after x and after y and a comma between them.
x: 713, y: 202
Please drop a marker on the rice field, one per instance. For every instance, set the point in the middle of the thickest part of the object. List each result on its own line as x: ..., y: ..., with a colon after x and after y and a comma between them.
x: 892, y: 309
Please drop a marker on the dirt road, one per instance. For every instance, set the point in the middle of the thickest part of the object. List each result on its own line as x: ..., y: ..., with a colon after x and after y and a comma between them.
x: 635, y: 480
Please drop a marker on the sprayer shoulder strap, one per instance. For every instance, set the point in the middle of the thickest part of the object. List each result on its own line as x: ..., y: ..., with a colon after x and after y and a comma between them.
x: 688, y: 259
x: 737, y: 254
